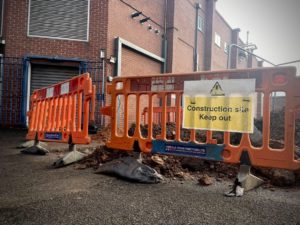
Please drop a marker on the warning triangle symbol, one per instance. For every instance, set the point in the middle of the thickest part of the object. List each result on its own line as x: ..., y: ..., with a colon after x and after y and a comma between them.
x: 217, y: 90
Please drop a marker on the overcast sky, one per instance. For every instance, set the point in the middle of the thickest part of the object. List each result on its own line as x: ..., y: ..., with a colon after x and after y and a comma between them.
x: 274, y: 26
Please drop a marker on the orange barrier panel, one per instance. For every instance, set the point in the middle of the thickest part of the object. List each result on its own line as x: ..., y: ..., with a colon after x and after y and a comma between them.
x: 136, y: 100
x: 61, y: 112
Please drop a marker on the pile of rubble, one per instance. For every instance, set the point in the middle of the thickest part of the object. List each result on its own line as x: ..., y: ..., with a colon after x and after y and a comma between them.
x: 172, y: 167
x: 200, y: 135
x: 206, y: 172
x: 102, y: 136
x: 184, y: 168
x: 277, y: 120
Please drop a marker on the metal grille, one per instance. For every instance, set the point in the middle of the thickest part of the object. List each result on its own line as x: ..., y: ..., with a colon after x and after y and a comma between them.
x: 66, y: 19
x: 11, y: 91
x: 12, y: 83
x: 96, y: 70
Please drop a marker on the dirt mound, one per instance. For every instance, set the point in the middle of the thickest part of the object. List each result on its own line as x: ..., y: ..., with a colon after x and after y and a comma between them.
x: 184, y: 168
x: 277, y: 121
x: 173, y: 167
x: 185, y: 134
x: 102, y: 136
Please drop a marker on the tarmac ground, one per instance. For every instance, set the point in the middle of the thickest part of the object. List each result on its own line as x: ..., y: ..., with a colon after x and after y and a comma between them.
x: 32, y: 193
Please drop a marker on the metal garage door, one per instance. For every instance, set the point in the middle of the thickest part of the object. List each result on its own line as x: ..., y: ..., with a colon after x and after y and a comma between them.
x: 45, y: 75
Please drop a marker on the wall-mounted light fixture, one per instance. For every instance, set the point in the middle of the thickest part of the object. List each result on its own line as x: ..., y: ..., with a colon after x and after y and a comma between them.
x: 102, y: 53
x: 150, y: 27
x: 156, y: 31
x: 109, y: 79
x: 112, y: 59
x: 135, y: 14
x: 144, y: 20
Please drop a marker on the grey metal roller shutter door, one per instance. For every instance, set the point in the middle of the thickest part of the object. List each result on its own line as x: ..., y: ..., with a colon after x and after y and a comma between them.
x: 43, y: 75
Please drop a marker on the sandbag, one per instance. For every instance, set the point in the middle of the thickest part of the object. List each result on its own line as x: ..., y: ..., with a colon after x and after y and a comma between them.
x: 132, y: 169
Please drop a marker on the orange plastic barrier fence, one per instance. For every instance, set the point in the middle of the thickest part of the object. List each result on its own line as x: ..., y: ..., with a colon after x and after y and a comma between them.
x: 136, y: 100
x: 61, y: 113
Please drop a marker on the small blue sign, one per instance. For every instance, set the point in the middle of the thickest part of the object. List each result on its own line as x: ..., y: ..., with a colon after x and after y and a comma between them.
x: 204, y: 151
x: 53, y: 136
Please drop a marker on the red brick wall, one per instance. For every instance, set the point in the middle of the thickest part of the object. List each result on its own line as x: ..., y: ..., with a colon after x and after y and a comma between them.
x: 120, y: 24
x: 181, y: 33
x: 112, y: 18
x: 18, y: 44
x: 184, y: 36
x: 219, y: 57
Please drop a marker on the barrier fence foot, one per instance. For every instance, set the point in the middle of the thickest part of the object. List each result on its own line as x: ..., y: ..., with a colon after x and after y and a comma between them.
x: 245, y: 181
x: 138, y: 156
x: 34, y: 148
x: 26, y: 144
x: 69, y: 158
x: 30, y: 143
x: 72, y: 147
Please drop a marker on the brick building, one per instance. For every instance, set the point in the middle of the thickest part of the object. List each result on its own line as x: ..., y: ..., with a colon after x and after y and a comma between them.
x: 46, y: 41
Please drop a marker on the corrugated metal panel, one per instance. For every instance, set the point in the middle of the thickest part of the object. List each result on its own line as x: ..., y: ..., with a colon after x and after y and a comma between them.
x: 59, y: 19
x: 43, y: 75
